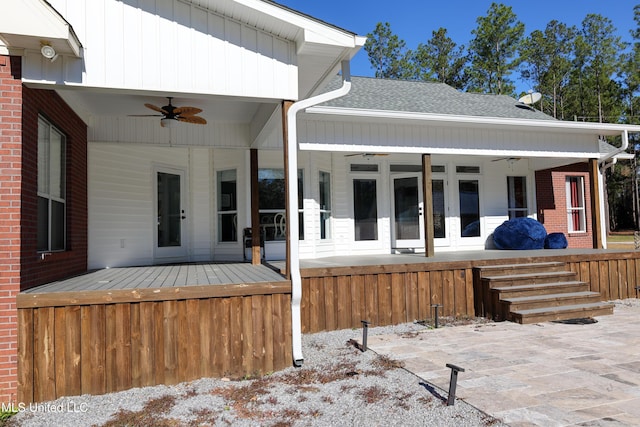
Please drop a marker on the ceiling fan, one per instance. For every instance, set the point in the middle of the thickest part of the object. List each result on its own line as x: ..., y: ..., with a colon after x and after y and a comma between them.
x: 366, y: 155
x: 508, y: 159
x: 171, y: 114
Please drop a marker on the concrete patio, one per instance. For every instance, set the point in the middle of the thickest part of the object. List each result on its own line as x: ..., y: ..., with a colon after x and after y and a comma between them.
x: 545, y: 374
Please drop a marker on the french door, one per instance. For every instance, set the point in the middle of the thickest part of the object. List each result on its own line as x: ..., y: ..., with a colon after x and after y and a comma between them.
x: 170, y: 216
x: 408, y: 218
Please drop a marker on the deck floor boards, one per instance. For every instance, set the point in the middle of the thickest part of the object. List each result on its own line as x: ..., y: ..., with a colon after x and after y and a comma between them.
x: 193, y: 274
x: 163, y: 276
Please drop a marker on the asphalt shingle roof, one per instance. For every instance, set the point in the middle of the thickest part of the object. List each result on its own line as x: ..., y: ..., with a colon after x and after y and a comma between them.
x: 428, y: 97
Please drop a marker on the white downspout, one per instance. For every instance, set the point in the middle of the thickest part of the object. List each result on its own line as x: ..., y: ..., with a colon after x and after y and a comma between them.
x: 603, y: 168
x: 292, y: 177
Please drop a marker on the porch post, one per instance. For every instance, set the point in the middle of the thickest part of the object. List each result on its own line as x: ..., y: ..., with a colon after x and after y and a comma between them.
x: 285, y: 144
x: 596, y: 219
x: 255, y: 213
x: 427, y: 198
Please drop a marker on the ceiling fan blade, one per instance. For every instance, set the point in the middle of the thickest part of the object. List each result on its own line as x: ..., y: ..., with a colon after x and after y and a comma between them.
x: 187, y: 111
x: 154, y: 108
x: 145, y: 115
x: 366, y: 154
x: 192, y: 119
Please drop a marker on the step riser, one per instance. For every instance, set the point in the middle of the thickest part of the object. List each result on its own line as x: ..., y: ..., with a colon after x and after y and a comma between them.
x: 529, y: 270
x: 555, y: 303
x: 519, y: 267
x: 552, y: 292
x: 517, y: 281
x: 562, y: 316
x: 547, y: 290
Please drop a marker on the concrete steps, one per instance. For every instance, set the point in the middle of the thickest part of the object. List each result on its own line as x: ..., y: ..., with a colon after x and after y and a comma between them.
x: 531, y: 293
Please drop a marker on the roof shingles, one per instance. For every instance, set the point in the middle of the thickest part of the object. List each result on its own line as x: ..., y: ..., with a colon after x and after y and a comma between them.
x: 428, y: 97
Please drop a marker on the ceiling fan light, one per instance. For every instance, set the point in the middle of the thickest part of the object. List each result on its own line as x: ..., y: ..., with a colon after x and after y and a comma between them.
x: 169, y: 123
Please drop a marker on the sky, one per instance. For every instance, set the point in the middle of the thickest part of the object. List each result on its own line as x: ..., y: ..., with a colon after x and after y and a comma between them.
x: 415, y: 20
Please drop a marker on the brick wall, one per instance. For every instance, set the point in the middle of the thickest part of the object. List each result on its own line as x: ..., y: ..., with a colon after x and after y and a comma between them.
x: 551, y: 200
x: 10, y: 218
x: 35, y: 270
x: 21, y: 266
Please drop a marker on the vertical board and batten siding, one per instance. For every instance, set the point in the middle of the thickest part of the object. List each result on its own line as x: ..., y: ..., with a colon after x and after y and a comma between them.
x: 69, y: 350
x: 440, y: 140
x: 127, y: 130
x: 142, y: 46
x: 121, y: 196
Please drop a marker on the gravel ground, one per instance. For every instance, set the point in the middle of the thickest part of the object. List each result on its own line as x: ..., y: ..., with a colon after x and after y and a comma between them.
x: 338, y: 385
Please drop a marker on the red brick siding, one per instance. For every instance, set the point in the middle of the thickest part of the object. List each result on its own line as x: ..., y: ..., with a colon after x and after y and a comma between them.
x: 10, y: 220
x: 20, y: 265
x: 36, y: 271
x: 551, y: 200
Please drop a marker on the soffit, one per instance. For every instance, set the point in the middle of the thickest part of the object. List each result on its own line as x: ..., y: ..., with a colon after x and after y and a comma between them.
x: 28, y: 24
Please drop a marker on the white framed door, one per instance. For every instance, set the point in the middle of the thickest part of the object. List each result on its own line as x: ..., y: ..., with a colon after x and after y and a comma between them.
x: 407, y: 211
x: 170, y: 216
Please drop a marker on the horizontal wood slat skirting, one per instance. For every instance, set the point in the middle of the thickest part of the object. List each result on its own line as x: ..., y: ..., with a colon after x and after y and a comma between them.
x: 101, y: 348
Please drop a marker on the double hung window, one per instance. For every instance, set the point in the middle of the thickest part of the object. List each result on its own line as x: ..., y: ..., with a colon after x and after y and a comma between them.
x: 575, y: 204
x: 51, y: 232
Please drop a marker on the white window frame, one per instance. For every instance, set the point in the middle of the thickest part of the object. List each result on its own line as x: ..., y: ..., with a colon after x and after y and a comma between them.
x: 48, y: 178
x: 325, y: 210
x: 579, y: 209
x: 223, y: 212
x: 513, y: 210
x: 282, y: 211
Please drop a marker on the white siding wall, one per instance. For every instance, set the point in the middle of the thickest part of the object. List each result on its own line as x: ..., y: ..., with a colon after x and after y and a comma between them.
x: 121, y: 202
x: 142, y: 45
x: 403, y: 137
x: 130, y: 130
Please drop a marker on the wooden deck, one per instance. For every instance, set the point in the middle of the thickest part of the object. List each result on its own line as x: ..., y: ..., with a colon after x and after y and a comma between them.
x: 119, y: 328
x: 157, y: 283
x: 163, y: 276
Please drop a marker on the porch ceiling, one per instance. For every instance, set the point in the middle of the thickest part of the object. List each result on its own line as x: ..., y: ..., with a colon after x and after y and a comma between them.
x: 87, y: 103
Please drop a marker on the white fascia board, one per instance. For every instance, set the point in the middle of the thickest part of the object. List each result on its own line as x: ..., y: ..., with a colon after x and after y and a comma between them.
x: 350, y: 148
x: 37, y: 19
x: 551, y: 125
x: 312, y: 30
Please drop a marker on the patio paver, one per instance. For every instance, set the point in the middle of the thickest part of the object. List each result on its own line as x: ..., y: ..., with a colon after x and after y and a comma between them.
x: 544, y: 374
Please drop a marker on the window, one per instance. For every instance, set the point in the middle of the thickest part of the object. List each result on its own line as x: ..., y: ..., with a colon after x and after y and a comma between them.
x: 575, y: 204
x: 271, y: 194
x: 368, y: 167
x: 51, y: 188
x: 517, y: 196
x: 227, y: 207
x: 439, y: 209
x: 325, y: 205
x: 467, y: 169
x: 365, y: 209
x: 469, y: 192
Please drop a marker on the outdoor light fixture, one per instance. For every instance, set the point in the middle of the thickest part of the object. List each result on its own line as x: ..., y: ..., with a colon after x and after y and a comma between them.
x: 170, y: 123
x: 48, y: 52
